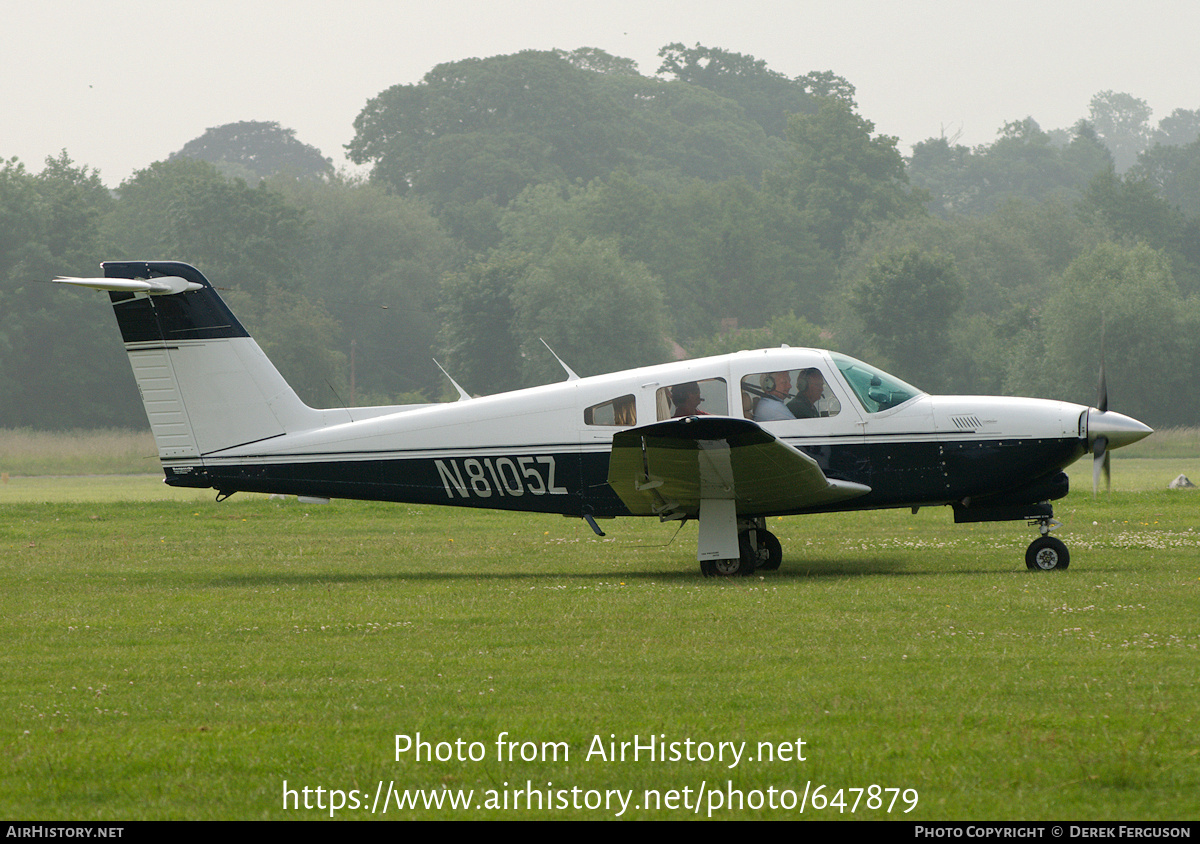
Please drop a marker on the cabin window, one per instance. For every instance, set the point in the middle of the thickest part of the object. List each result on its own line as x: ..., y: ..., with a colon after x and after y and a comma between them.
x: 875, y: 389
x: 621, y: 411
x: 788, y: 394
x: 708, y: 397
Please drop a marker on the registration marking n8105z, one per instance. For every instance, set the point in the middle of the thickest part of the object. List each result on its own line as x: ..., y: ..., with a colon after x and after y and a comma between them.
x: 501, y: 476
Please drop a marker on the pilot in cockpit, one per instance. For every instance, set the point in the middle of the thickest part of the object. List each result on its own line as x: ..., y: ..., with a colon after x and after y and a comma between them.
x: 810, y: 386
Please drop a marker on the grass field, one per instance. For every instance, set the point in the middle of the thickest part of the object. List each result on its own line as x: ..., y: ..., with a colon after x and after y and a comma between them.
x: 169, y: 657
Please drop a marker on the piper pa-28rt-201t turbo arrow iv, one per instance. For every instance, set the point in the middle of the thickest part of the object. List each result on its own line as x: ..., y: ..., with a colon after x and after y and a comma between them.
x: 781, y: 432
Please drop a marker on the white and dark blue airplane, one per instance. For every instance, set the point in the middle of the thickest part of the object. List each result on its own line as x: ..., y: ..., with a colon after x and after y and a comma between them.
x: 782, y: 432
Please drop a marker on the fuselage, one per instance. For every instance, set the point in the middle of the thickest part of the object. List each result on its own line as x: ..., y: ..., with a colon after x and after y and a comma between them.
x: 547, y: 448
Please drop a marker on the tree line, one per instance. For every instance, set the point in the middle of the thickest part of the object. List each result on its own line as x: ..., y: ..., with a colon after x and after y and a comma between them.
x: 625, y: 219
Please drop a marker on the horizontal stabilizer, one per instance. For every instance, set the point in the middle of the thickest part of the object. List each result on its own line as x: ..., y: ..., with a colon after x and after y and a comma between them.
x: 155, y: 287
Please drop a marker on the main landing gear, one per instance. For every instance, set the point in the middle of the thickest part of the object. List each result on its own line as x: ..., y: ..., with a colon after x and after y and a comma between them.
x: 1047, y: 553
x: 758, y: 549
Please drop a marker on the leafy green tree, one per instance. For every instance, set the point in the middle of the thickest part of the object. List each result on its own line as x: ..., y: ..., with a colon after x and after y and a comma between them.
x: 677, y: 133
x: 598, y: 311
x: 486, y: 128
x: 598, y: 61
x: 374, y: 261
x: 727, y: 250
x: 1008, y: 261
x: 1128, y: 298
x: 906, y: 301
x: 255, y: 150
x: 1122, y: 123
x: 840, y: 175
x: 1024, y: 163
x: 1179, y: 128
x: 1135, y: 210
x: 542, y: 214
x: 782, y: 329
x: 943, y: 170
x: 186, y: 210
x: 474, y: 134
x: 826, y: 83
x: 1174, y: 172
x: 300, y: 338
x: 57, y: 346
x: 478, y: 321
x: 721, y: 250
x: 768, y: 96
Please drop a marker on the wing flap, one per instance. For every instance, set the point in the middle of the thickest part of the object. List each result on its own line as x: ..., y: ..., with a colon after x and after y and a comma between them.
x: 666, y: 469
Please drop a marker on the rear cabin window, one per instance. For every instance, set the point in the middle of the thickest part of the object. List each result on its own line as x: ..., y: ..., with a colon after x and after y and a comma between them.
x: 709, y: 397
x: 618, y: 412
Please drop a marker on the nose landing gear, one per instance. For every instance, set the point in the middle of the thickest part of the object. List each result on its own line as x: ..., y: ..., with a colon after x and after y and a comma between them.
x: 1047, y: 553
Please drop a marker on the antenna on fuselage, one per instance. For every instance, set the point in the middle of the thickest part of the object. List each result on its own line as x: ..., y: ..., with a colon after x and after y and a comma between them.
x: 571, y: 376
x: 463, y: 395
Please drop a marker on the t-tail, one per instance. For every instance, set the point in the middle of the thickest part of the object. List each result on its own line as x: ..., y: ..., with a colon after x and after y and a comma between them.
x: 205, y: 383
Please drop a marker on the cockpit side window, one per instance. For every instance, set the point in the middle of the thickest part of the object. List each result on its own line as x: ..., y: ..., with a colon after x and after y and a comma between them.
x: 619, y: 412
x: 709, y: 397
x: 875, y: 389
x: 788, y: 394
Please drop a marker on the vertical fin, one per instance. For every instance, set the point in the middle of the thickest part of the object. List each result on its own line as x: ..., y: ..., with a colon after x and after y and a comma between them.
x: 205, y: 383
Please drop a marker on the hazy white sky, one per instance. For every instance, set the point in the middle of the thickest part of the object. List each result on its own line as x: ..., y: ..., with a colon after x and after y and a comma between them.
x: 122, y: 84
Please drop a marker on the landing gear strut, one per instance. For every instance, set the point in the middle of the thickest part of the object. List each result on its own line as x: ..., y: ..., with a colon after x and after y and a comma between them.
x: 1047, y: 553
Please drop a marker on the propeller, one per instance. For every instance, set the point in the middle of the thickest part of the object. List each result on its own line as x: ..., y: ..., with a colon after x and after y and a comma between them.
x: 1100, y: 457
x: 1108, y: 430
x: 1100, y: 465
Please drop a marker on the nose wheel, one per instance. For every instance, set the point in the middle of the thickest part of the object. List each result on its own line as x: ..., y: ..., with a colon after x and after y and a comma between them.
x: 1047, y: 553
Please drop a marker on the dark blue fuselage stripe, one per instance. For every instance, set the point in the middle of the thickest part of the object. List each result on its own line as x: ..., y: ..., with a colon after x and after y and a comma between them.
x: 575, y: 482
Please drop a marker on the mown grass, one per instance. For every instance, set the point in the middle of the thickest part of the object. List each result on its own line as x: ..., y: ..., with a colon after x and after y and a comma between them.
x: 182, y: 658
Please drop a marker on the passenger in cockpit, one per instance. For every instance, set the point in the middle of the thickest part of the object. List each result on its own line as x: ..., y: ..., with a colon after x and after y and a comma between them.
x: 770, y: 407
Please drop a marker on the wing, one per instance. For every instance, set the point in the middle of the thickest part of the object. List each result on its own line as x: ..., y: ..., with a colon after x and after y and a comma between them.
x: 665, y: 469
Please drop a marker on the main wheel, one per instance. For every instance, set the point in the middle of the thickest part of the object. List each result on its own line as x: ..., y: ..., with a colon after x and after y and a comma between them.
x: 1047, y: 554
x: 730, y: 568
x: 769, y: 553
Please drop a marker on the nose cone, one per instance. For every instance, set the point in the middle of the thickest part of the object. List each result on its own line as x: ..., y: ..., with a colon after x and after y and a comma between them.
x: 1117, y: 428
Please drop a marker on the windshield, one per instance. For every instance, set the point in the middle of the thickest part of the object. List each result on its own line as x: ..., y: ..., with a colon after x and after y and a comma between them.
x: 876, y: 390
